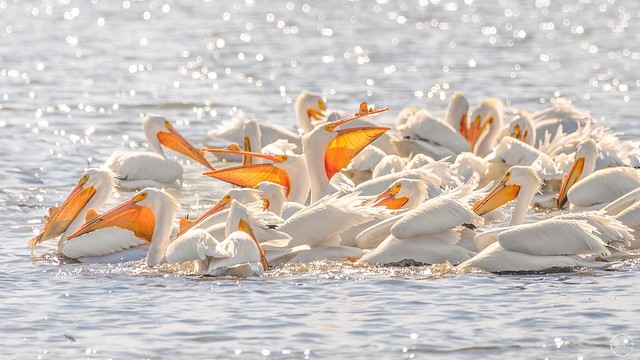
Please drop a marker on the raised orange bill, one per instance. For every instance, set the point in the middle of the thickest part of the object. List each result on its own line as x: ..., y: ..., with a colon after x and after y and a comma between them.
x: 187, y: 225
x: 569, y: 180
x: 128, y: 215
x: 60, y: 218
x: 251, y: 175
x: 346, y: 145
x: 274, y: 158
x: 174, y: 141
x: 363, y: 111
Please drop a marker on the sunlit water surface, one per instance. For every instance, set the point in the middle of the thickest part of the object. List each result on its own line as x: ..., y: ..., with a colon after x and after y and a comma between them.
x: 75, y: 77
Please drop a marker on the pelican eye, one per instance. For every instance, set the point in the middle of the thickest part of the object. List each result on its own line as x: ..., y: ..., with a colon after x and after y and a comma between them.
x: 83, y: 180
x: 139, y: 197
x: 322, y: 105
x: 168, y: 125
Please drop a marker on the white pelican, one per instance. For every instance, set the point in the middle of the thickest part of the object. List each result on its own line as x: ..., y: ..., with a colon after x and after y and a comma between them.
x: 136, y: 170
x: 588, y: 190
x: 148, y: 215
x: 553, y: 243
x: 425, y: 234
x: 89, y: 194
x: 402, y: 195
x: 488, y: 114
x: 421, y: 133
x: 326, y: 152
x: 239, y: 253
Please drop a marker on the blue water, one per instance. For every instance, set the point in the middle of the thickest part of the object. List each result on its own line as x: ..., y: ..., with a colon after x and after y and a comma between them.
x: 75, y: 77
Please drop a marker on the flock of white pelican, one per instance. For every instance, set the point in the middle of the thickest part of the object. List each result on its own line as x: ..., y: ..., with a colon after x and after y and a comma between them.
x: 344, y: 188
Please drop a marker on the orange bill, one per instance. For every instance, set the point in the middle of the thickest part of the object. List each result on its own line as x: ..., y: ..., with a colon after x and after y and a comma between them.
x: 346, y: 145
x: 60, y: 218
x: 184, y: 227
x: 463, y: 126
x: 174, y: 141
x: 476, y: 130
x: 569, y: 180
x: 244, y: 226
x: 274, y: 158
x: 247, y: 160
x: 499, y: 196
x: 250, y: 176
x: 363, y: 111
x: 130, y: 216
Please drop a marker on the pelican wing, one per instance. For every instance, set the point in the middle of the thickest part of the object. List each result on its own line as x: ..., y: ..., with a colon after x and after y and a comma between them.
x: 553, y: 237
x: 100, y: 243
x: 195, y: 244
x: 433, y: 216
x: 237, y: 248
x: 623, y: 202
x: 610, y: 230
x: 325, y: 219
x: 426, y: 128
x: 372, y: 236
x: 604, y: 186
x: 143, y: 166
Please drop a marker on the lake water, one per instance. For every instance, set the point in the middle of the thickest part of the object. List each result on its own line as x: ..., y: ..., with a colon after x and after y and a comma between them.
x: 75, y: 77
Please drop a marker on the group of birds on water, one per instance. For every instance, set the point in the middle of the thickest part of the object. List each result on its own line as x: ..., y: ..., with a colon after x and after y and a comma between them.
x: 345, y: 188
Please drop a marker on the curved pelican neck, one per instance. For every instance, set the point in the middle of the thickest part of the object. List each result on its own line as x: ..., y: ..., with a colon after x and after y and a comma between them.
x: 523, y: 201
x: 313, y: 145
x: 151, y: 133
x: 161, y: 234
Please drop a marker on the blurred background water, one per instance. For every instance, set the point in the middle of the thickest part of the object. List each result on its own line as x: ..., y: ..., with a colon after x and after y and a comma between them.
x: 76, y: 77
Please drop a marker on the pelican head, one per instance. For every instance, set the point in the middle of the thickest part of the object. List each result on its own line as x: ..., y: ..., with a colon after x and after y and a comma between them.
x: 402, y: 194
x: 159, y: 131
x: 91, y: 191
x: 583, y: 165
x: 273, y: 195
x: 309, y: 110
x: 486, y: 121
x: 522, y: 129
x: 512, y: 184
x: 239, y: 219
x: 457, y: 112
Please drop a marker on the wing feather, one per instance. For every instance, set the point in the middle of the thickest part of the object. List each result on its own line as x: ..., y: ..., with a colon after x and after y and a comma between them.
x: 553, y: 237
x: 433, y: 216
